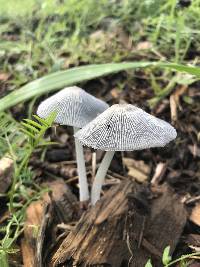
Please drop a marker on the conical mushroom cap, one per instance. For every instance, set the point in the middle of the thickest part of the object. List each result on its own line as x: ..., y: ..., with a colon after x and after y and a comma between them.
x: 73, y: 105
x: 125, y: 127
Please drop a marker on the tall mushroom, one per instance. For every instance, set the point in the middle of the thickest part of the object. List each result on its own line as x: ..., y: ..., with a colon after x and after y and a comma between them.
x: 122, y: 127
x: 75, y: 108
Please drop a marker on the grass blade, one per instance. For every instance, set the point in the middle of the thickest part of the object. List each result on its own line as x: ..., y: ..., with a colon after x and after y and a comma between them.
x: 64, y: 78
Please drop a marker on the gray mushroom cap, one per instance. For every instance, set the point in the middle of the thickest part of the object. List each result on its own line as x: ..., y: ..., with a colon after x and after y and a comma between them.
x: 73, y: 105
x: 124, y: 127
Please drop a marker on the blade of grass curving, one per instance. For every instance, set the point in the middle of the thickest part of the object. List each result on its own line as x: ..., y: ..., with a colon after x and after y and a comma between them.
x: 193, y: 70
x: 61, y: 79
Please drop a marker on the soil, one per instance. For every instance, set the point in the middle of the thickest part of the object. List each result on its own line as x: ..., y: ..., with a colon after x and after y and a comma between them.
x: 134, y: 220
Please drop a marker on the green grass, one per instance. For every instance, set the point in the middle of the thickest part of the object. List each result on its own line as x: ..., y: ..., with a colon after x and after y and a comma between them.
x: 53, y: 35
x: 16, y: 8
x: 167, y: 259
x: 23, y: 190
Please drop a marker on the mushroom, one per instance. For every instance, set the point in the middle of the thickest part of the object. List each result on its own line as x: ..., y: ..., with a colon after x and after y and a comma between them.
x: 75, y: 108
x: 122, y: 127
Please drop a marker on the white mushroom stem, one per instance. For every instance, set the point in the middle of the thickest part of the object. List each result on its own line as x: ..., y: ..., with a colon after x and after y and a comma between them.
x: 94, y: 159
x: 83, y: 184
x: 100, y: 176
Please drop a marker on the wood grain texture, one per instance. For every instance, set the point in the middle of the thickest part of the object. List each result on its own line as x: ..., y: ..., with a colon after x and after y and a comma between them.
x: 123, y: 229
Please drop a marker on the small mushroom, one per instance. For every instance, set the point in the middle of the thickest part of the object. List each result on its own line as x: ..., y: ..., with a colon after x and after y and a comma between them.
x: 75, y: 108
x: 122, y: 127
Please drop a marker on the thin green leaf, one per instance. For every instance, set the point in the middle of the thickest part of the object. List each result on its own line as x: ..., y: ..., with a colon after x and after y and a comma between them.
x: 6, y: 243
x: 3, y: 229
x: 51, y: 118
x: 148, y: 264
x: 48, y: 143
x: 34, y: 123
x: 166, y: 258
x: 182, y: 68
x: 60, y: 79
x: 27, y: 133
x: 42, y: 121
x: 30, y: 127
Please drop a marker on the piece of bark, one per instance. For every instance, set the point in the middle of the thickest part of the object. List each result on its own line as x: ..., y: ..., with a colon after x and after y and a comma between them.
x: 122, y: 229
x: 193, y: 240
x: 41, y: 218
x: 195, y: 215
x: 163, y: 227
x: 45, y: 236
x: 64, y: 200
x: 34, y: 215
x: 63, y: 209
x: 27, y: 253
x: 194, y: 264
x: 98, y: 227
x: 6, y: 171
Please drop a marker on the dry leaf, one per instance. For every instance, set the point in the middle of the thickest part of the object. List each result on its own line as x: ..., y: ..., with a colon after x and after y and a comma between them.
x: 144, y: 45
x: 137, y: 169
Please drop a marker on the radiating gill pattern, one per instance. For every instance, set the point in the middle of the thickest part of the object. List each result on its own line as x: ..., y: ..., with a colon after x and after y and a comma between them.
x: 74, y: 106
x: 126, y: 127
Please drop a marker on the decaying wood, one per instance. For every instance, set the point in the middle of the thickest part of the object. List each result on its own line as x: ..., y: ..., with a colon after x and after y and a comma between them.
x: 34, y: 215
x: 164, y: 226
x: 44, y: 235
x: 123, y: 230
x: 195, y: 215
x: 41, y: 219
x: 99, y: 233
x: 63, y: 208
x: 6, y: 170
x: 64, y: 200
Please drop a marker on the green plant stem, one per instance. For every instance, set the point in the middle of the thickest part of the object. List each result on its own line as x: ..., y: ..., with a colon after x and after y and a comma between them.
x: 16, y: 175
x: 4, y: 259
x: 172, y: 11
x: 165, y: 92
x: 183, y: 258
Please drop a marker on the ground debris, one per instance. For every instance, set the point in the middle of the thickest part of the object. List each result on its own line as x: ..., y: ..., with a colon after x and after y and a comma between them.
x: 59, y: 206
x: 195, y: 215
x: 124, y: 227
x: 6, y: 171
x: 159, y: 173
x: 34, y: 214
x: 193, y: 241
x: 137, y: 169
x: 167, y: 213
